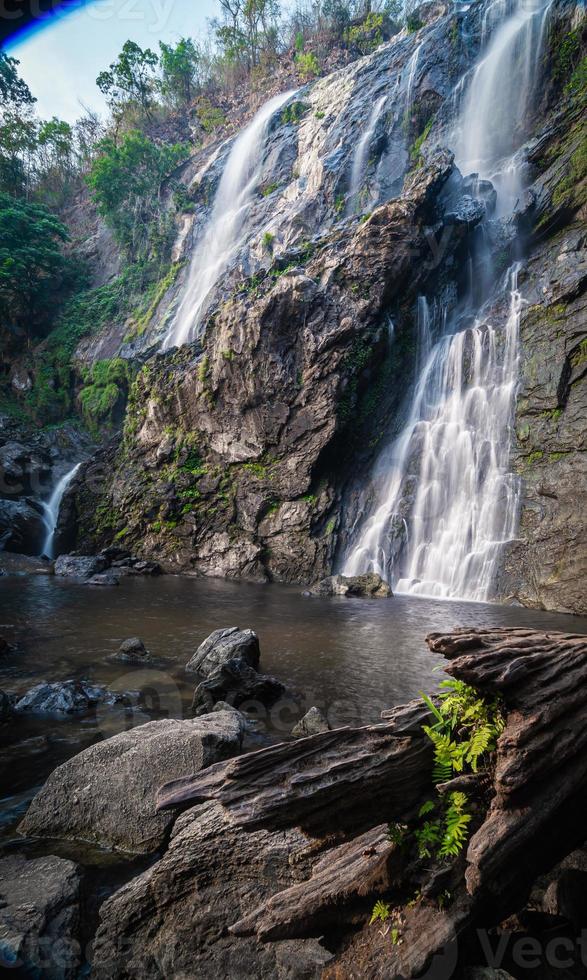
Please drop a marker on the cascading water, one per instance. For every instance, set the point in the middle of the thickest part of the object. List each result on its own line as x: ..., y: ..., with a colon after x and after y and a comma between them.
x: 52, y: 508
x: 449, y: 502
x: 224, y: 232
x: 360, y: 154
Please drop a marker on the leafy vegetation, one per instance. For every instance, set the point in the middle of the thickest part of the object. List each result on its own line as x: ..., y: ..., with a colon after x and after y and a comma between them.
x: 125, y: 182
x: 34, y: 271
x: 105, y: 387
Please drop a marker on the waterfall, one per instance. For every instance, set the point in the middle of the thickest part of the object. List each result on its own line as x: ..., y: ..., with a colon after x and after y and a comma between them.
x: 360, y: 154
x: 410, y: 70
x: 449, y: 502
x: 52, y: 508
x: 494, y: 114
x: 225, y: 229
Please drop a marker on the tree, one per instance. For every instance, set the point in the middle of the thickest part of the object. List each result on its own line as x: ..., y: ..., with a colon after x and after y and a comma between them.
x: 130, y: 78
x: 180, y: 71
x: 249, y: 29
x: 34, y: 271
x: 125, y: 182
x: 13, y: 90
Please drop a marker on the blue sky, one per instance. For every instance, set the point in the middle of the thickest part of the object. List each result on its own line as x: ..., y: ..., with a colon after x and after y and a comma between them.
x: 60, y: 61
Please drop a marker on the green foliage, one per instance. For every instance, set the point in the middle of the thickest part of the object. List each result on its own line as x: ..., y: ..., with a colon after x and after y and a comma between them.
x: 367, y: 36
x: 13, y: 90
x: 416, y: 151
x: 577, y: 84
x: 180, y: 66
x: 35, y: 273
x: 130, y: 79
x: 307, y: 65
x: 381, y: 912
x: 269, y: 189
x: 268, y: 239
x: 248, y: 33
x: 105, y: 386
x: 293, y: 113
x: 567, y: 53
x: 209, y: 116
x: 413, y: 23
x: 464, y: 733
x: 125, y: 182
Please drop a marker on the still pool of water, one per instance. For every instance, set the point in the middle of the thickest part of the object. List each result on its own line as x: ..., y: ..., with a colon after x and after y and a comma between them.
x: 351, y: 657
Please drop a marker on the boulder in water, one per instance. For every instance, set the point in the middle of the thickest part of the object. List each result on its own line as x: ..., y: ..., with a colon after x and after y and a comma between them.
x: 39, y: 917
x: 80, y: 567
x: 223, y: 645
x: 66, y: 698
x: 106, y: 794
x: 240, y: 685
x: 312, y: 723
x: 370, y: 585
x: 132, y: 651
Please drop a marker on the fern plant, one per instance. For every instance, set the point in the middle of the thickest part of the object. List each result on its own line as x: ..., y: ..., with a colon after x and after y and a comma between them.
x: 381, y: 912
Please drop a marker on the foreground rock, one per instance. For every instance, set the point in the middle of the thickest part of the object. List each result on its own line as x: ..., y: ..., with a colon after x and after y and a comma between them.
x: 313, y: 723
x: 172, y: 920
x: 68, y: 698
x: 528, y: 812
x: 223, y: 645
x: 106, y: 794
x: 370, y: 586
x: 39, y: 917
x: 106, y: 568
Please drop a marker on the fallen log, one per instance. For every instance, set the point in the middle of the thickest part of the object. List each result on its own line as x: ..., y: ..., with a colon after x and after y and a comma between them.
x: 360, y: 775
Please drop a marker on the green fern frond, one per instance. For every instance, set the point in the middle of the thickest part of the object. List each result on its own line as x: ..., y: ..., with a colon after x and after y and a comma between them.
x: 381, y: 912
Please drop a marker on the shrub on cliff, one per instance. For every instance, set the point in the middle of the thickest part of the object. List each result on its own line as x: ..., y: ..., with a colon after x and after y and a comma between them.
x: 125, y: 181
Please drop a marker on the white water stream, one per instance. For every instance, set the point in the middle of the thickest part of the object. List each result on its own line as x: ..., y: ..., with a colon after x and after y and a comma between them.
x: 449, y: 501
x: 52, y: 508
x: 226, y: 226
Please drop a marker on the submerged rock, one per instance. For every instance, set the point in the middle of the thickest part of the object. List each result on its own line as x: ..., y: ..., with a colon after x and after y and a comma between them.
x: 104, y: 579
x: 370, y: 585
x: 223, y: 645
x: 312, y: 723
x: 172, y: 920
x: 66, y: 698
x: 39, y: 917
x: 106, y: 794
x: 132, y: 651
x: 80, y: 567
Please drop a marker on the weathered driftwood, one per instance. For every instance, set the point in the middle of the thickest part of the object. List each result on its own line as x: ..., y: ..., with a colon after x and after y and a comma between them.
x: 348, y: 779
x: 345, y: 780
x: 362, y: 867
x: 540, y: 781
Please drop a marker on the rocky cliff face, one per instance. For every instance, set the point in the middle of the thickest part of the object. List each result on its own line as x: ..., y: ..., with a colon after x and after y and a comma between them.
x: 243, y: 453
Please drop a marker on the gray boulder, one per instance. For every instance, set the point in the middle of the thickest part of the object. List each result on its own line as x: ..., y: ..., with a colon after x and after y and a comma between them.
x: 106, y: 794
x: 66, y: 698
x: 239, y: 685
x: 80, y: 567
x: 467, y: 211
x: 39, y: 917
x: 313, y: 723
x: 362, y: 586
x: 222, y: 646
x: 132, y: 651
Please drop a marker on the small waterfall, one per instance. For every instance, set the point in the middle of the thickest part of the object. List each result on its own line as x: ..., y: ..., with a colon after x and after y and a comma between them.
x: 225, y: 229
x: 360, y: 156
x: 410, y: 71
x: 449, y: 502
x: 52, y: 508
